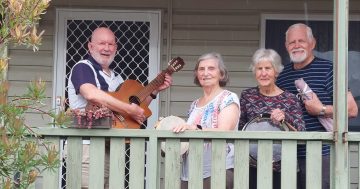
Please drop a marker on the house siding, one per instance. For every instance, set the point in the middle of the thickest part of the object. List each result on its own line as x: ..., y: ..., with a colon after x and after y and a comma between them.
x: 230, y: 27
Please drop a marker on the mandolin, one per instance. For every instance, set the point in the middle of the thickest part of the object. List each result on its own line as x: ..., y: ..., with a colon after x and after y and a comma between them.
x: 131, y: 91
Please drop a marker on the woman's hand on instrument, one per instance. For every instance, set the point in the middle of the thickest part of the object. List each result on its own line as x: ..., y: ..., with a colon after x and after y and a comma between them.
x: 182, y: 128
x: 277, y: 116
x: 136, y: 112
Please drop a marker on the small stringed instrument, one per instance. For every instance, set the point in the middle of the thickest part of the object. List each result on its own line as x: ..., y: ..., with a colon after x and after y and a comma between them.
x: 131, y: 91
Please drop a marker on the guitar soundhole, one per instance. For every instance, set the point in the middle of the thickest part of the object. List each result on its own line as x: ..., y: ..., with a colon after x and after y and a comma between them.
x: 134, y: 99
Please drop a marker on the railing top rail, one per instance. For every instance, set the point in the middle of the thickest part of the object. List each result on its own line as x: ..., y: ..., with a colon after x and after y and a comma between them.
x: 353, y: 136
x: 148, y: 133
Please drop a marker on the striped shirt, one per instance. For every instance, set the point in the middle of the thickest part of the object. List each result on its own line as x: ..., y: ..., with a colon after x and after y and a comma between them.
x: 319, y: 76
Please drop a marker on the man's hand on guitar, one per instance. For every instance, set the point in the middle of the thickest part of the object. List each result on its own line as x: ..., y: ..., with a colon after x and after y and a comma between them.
x: 167, y: 82
x: 136, y: 113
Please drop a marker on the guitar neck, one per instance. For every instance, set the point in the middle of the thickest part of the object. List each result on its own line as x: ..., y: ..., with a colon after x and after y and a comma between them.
x: 154, y: 84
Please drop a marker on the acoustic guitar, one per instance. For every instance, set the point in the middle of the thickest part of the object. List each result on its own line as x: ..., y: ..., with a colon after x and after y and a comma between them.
x: 131, y: 91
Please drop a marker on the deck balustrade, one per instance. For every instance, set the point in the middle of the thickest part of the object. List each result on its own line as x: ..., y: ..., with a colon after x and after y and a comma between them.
x: 148, y: 169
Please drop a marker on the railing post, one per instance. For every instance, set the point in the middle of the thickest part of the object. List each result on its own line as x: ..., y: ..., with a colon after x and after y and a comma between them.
x: 51, y: 178
x: 341, y: 8
x: 153, y: 175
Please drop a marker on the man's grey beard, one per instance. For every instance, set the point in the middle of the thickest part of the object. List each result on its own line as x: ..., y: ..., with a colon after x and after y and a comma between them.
x: 97, y: 57
x: 298, y: 59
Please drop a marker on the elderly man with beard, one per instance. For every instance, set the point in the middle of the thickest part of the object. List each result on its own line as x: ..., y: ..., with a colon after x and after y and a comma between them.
x: 318, y: 74
x: 91, y: 78
x: 89, y: 81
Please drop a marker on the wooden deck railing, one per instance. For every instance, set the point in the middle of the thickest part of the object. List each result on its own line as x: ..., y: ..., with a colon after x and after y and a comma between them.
x: 145, y: 147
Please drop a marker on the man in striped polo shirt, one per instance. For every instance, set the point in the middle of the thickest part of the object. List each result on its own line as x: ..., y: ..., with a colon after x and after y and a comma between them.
x: 318, y: 74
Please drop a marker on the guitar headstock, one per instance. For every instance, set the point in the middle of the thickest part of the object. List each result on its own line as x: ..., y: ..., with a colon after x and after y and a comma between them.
x: 176, y: 64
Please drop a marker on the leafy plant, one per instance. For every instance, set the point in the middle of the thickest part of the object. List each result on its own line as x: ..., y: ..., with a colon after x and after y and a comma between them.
x: 23, y: 154
x: 19, y: 20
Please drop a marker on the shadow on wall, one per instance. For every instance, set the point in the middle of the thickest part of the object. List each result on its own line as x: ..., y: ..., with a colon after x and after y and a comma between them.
x: 354, y: 80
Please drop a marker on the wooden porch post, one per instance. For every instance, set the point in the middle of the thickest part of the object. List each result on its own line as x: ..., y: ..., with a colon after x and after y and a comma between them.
x: 340, y: 177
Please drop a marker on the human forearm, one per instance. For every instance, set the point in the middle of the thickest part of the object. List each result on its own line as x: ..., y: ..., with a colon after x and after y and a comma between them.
x: 97, y: 96
x: 227, y: 121
x: 316, y: 107
x: 228, y: 118
x: 352, y: 106
x: 352, y: 111
x: 194, y: 127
